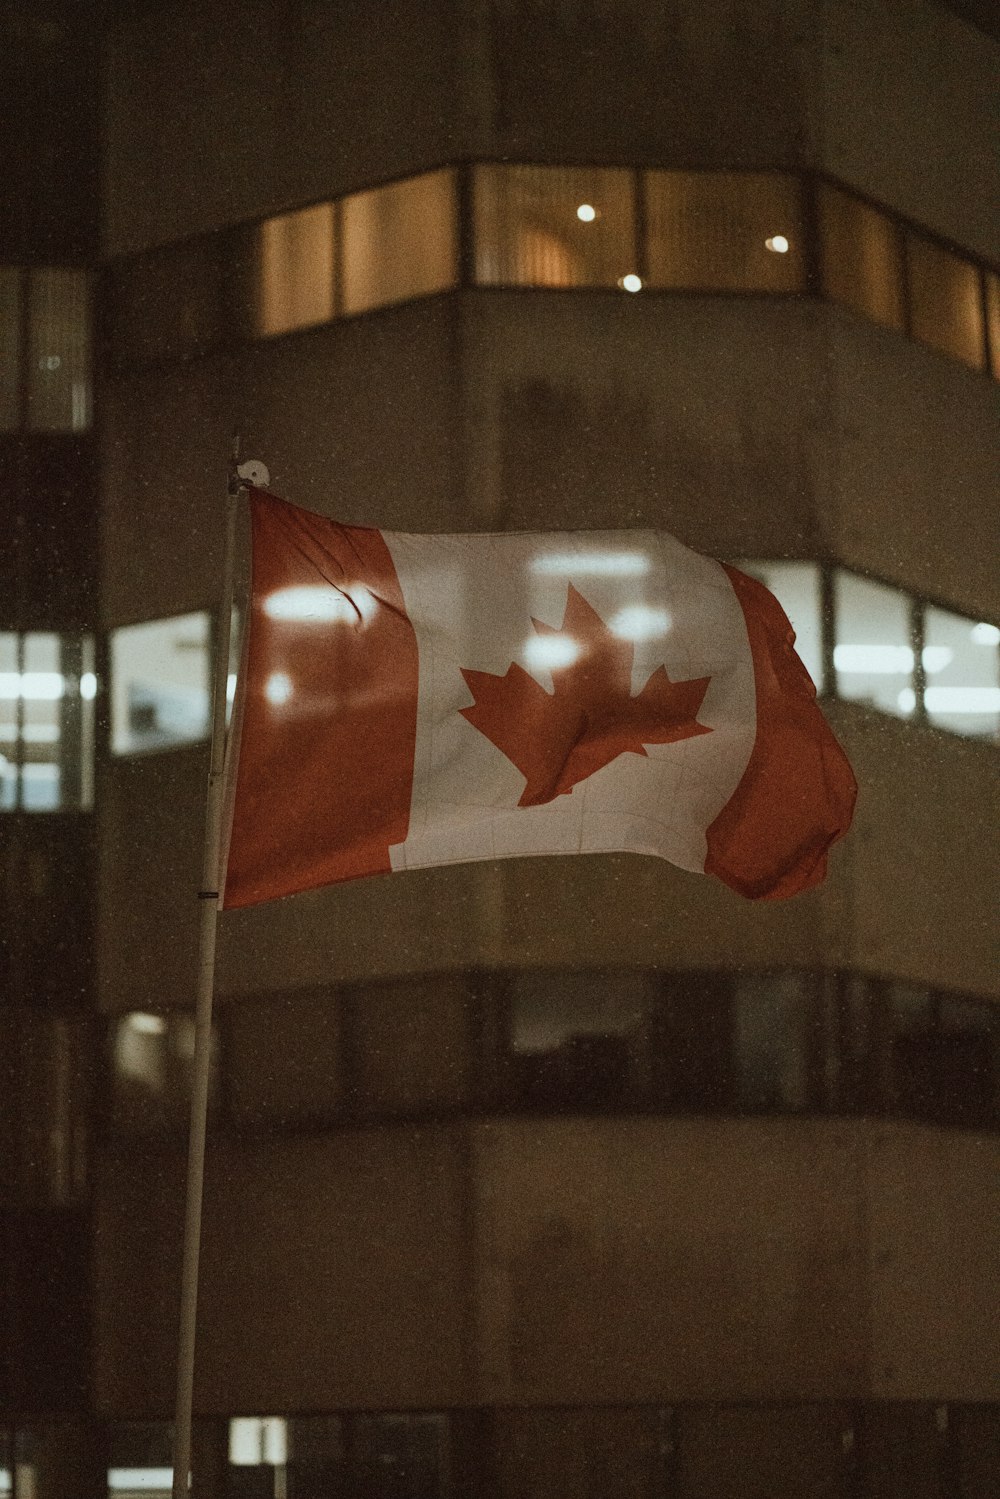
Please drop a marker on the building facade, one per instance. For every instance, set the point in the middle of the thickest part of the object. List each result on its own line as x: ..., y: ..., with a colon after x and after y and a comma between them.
x: 539, y: 1178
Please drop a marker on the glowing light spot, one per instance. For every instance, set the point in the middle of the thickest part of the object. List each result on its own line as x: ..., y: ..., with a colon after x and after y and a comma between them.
x: 278, y: 688
x: 984, y: 634
x: 586, y: 213
x: 88, y: 686
x: 230, y: 687
x: 873, y: 660
x: 320, y: 606
x: 638, y: 622
x: 146, y: 1025
x: 907, y: 700
x: 631, y: 282
x: 936, y: 657
x: 593, y: 564
x: 777, y: 244
x: 551, y: 651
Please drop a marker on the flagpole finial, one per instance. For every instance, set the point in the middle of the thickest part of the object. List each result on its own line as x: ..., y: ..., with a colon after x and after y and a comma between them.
x: 253, y: 472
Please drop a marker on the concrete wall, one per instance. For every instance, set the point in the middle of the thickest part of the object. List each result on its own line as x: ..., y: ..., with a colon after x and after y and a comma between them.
x: 545, y: 1262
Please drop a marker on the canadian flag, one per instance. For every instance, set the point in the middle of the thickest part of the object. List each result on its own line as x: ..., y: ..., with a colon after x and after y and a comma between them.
x: 415, y: 700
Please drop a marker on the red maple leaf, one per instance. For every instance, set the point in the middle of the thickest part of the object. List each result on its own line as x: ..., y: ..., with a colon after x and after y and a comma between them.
x: 559, y: 738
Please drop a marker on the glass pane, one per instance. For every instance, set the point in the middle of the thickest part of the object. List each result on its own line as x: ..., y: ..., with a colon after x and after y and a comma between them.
x: 59, y: 381
x: 993, y: 321
x: 399, y: 241
x: 797, y: 587
x: 873, y: 654
x: 861, y: 256
x: 580, y: 1039
x: 141, y: 1460
x: 945, y: 305
x: 167, y: 303
x: 10, y: 348
x: 152, y: 1056
x: 411, y: 1045
x: 42, y: 690
x: 774, y: 1020
x: 296, y: 270
x: 962, y: 666
x: 159, y: 684
x: 554, y: 226
x: 316, y: 1457
x: 403, y: 1455
x: 725, y: 231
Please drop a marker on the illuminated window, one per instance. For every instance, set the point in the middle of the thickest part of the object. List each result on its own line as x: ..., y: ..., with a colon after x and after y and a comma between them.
x: 861, y: 257
x: 152, y: 1059
x: 724, y: 231
x: 554, y: 226
x: 873, y: 651
x: 993, y: 321
x: 296, y: 270
x: 141, y: 1461
x: 399, y: 241
x: 796, y: 586
x: 47, y: 691
x: 962, y: 671
x: 10, y: 348
x: 160, y: 684
x: 945, y: 303
x: 59, y: 378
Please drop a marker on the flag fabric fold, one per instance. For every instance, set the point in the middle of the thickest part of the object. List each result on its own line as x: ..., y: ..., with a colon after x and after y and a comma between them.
x: 407, y: 701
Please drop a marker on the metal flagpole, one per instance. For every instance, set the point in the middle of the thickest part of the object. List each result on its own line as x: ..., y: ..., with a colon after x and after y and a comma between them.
x: 208, y: 895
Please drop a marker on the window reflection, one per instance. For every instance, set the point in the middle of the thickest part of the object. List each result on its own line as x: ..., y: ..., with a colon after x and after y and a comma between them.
x: 945, y: 305
x: 160, y: 683
x: 861, y: 254
x: 399, y: 241
x: 554, y: 226
x: 774, y: 1028
x: 295, y: 286
x: 873, y: 653
x: 724, y: 231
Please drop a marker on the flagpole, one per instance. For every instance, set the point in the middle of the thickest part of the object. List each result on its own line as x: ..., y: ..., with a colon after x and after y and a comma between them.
x: 208, y: 896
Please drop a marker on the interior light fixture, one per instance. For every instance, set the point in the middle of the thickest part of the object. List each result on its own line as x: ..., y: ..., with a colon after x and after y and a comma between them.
x: 777, y: 244
x: 631, y: 282
x: 983, y: 634
x: 586, y: 213
x: 318, y: 606
x: 592, y: 564
x: 278, y: 688
x: 639, y: 622
x: 33, y: 686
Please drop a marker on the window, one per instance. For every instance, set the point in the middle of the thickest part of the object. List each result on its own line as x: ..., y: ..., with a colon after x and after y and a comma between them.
x: 797, y: 587
x: 873, y: 652
x: 554, y: 226
x: 295, y: 286
x: 43, y: 1113
x: 725, y: 231
x: 403, y: 1455
x: 160, y: 684
x: 410, y: 1045
x: 945, y: 302
x: 962, y: 669
x: 580, y: 1039
x: 399, y: 241
x: 300, y: 1080
x: 141, y: 1460
x: 152, y: 1059
x: 775, y: 1041
x: 47, y: 691
x: 10, y: 348
x: 59, y: 379
x: 861, y: 257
